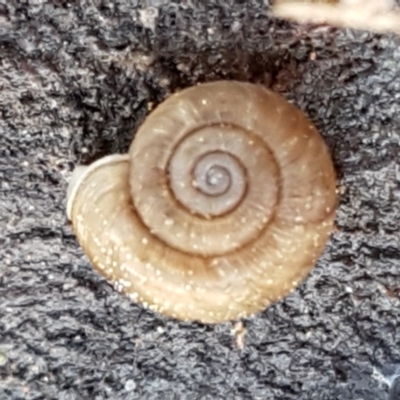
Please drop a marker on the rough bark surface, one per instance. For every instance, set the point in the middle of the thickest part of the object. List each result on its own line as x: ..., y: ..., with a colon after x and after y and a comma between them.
x: 76, y: 80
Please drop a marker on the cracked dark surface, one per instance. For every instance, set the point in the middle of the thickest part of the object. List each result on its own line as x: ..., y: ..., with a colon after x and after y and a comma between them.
x: 75, y: 81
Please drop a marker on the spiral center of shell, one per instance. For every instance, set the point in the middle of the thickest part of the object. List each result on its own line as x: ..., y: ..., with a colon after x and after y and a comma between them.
x: 218, y: 178
x: 214, y: 189
x: 214, y: 185
x: 214, y: 174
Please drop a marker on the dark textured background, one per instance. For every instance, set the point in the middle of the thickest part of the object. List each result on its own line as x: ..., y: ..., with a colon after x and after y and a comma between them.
x: 76, y: 80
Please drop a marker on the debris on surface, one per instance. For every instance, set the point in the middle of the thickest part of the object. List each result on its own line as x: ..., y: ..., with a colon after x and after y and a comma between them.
x: 380, y: 16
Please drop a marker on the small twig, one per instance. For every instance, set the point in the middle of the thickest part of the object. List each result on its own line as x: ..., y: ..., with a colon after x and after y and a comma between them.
x: 376, y: 16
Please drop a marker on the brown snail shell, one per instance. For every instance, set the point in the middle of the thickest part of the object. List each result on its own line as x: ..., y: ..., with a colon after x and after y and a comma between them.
x: 222, y: 206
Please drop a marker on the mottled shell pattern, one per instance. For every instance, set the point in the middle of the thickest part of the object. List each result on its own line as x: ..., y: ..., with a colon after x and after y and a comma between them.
x: 223, y: 205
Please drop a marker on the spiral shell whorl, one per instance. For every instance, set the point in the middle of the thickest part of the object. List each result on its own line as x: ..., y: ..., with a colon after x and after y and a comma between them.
x: 224, y: 206
x: 269, y: 144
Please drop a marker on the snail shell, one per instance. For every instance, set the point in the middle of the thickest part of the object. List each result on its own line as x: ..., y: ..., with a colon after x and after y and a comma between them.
x: 222, y: 206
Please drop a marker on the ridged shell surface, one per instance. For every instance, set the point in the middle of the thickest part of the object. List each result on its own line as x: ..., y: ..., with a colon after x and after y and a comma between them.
x: 222, y: 206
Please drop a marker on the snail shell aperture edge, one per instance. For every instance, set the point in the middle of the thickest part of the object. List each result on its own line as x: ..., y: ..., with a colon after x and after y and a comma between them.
x: 223, y: 205
x: 81, y: 172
